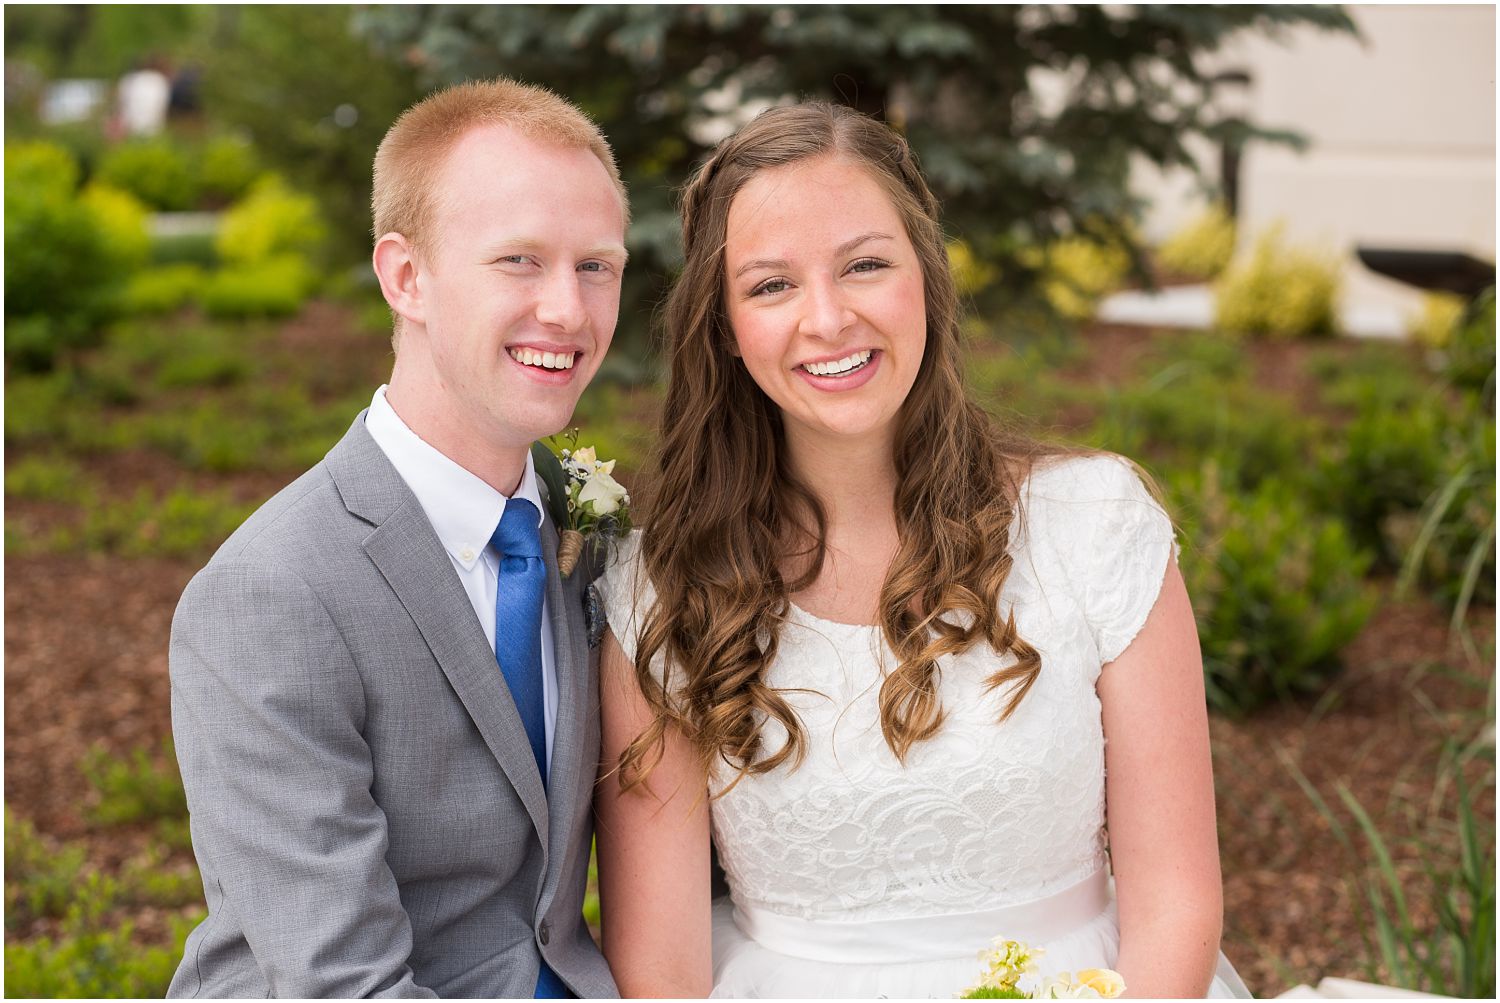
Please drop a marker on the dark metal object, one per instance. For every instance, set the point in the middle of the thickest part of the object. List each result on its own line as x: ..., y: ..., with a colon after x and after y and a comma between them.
x: 1449, y: 271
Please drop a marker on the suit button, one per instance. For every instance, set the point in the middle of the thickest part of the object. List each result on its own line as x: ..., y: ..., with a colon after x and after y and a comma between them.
x: 544, y: 932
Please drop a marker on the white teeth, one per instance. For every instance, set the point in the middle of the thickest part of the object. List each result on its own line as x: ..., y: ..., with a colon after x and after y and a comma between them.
x: 839, y: 368
x: 544, y: 360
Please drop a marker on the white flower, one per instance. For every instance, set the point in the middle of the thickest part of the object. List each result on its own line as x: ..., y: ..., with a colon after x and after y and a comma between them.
x: 586, y: 456
x: 603, y: 492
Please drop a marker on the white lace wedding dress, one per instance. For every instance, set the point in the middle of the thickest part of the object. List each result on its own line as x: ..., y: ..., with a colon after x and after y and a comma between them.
x: 856, y: 876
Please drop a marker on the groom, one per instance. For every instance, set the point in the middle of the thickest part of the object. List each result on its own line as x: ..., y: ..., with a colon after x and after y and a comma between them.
x: 384, y: 703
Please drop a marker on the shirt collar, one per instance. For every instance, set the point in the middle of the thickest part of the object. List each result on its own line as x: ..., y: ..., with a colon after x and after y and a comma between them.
x: 462, y: 508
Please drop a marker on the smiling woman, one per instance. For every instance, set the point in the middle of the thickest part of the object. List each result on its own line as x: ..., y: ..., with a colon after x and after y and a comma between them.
x: 838, y: 646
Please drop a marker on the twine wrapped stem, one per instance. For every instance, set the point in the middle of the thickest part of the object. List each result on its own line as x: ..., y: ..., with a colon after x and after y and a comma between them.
x: 569, y: 547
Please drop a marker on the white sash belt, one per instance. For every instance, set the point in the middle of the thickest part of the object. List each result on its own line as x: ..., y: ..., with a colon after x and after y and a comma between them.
x: 926, y: 938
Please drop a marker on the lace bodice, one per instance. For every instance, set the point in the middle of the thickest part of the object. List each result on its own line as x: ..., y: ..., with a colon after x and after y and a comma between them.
x: 984, y: 814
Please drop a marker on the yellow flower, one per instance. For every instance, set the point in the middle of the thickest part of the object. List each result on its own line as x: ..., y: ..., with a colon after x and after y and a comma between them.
x: 1006, y: 962
x: 586, y: 456
x: 1104, y: 981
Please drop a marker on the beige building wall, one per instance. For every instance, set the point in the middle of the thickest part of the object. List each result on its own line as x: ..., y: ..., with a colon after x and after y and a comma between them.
x: 1401, y: 130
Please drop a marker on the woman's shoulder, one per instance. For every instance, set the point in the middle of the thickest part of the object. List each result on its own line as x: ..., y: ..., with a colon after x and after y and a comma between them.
x: 1084, y: 478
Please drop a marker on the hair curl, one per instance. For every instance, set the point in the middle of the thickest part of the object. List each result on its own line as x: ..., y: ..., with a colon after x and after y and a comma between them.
x: 728, y: 515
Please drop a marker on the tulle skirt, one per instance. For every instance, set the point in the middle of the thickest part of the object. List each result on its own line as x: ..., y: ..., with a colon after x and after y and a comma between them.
x: 762, y: 955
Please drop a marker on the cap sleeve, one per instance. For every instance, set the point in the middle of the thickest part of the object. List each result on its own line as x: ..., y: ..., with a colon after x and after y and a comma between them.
x: 625, y: 593
x: 1112, y: 539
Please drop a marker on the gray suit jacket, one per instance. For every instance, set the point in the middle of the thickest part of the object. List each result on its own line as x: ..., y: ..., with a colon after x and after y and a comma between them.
x: 366, y: 811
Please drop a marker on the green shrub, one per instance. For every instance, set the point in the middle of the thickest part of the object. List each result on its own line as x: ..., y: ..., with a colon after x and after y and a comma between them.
x: 1386, y: 461
x: 154, y: 880
x: 136, y: 788
x: 121, y: 220
x: 182, y: 523
x: 40, y: 878
x: 1378, y: 374
x: 1450, y: 543
x: 1278, y: 590
x: 205, y: 357
x: 272, y: 221
x: 91, y: 959
x: 1441, y: 313
x: 227, y: 169
x: 1185, y: 413
x: 1469, y: 358
x: 1282, y: 292
x: 272, y: 287
x: 1203, y: 248
x: 46, y: 478
x: 59, y: 265
x: 163, y: 289
x: 40, y: 169
x: 1076, y: 272
x: 156, y: 171
x: 37, y: 407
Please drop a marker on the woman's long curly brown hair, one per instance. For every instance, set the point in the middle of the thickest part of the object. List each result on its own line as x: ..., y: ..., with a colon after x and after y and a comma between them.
x: 727, y: 515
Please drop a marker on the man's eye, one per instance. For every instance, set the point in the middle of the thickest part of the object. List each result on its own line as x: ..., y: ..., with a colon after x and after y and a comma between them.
x: 771, y: 287
x: 592, y: 266
x: 513, y: 259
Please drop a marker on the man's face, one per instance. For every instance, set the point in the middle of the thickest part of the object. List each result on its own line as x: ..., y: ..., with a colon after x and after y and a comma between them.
x: 520, y: 286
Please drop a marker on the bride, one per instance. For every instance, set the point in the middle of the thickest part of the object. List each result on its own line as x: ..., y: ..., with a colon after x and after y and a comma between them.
x: 874, y: 644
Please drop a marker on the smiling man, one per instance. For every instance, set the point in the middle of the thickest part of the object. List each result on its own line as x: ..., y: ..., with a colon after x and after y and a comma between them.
x: 383, y: 699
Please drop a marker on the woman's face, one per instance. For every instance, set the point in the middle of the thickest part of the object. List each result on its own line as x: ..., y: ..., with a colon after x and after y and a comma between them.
x: 824, y: 293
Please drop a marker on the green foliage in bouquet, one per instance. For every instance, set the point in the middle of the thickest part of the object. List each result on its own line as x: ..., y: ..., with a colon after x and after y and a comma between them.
x: 1203, y: 248
x: 1279, y: 291
x: 1278, y: 589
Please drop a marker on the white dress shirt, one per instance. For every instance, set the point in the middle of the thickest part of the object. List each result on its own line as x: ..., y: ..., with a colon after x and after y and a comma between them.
x: 464, y: 511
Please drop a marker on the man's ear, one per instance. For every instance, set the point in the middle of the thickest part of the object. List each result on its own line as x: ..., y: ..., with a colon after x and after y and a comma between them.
x: 396, y: 267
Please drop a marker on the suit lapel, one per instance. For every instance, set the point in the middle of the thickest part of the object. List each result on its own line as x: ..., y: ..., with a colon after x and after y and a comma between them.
x: 409, y: 555
x: 570, y: 661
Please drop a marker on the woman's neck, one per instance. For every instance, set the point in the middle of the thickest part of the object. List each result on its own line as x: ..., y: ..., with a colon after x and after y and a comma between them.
x: 853, y: 479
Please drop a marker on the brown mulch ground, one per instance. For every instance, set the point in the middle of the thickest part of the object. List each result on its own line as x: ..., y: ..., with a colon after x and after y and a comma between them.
x: 85, y: 666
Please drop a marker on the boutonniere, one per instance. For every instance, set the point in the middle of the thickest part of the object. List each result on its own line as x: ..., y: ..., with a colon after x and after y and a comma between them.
x: 586, y: 504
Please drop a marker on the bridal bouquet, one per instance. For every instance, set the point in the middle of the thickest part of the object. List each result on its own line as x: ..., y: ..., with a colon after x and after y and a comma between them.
x: 586, y: 503
x: 1009, y: 960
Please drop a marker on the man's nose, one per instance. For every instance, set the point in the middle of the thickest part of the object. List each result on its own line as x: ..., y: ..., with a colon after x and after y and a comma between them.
x: 561, y: 302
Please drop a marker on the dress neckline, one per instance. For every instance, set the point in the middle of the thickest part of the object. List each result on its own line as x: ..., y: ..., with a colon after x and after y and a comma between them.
x: 824, y: 621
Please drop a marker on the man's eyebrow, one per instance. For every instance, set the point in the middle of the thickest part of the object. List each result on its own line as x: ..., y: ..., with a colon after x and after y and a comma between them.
x: 528, y: 245
x: 838, y: 252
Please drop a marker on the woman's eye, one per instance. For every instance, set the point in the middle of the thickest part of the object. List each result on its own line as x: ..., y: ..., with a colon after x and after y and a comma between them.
x: 869, y: 265
x: 771, y: 287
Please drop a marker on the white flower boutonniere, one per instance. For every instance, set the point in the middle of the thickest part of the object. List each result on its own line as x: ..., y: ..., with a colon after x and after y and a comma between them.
x: 585, y: 501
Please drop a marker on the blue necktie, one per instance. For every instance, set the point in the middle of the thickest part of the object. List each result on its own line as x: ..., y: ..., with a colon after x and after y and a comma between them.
x: 519, y: 586
x: 518, y: 618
